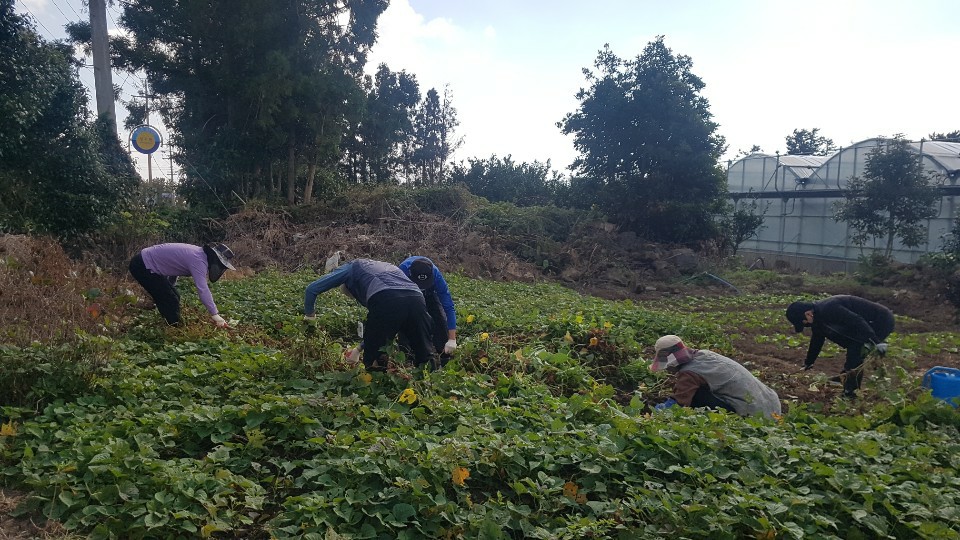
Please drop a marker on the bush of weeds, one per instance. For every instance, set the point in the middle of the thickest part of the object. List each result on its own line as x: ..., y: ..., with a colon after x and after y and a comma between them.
x: 45, y: 297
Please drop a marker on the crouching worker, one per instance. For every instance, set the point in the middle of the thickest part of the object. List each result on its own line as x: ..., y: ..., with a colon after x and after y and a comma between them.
x: 156, y: 269
x: 394, y: 304
x: 704, y: 378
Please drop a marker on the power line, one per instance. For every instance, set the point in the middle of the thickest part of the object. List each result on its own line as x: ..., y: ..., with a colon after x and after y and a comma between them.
x: 110, y: 14
x: 75, y: 12
x: 60, y: 10
x: 50, y: 34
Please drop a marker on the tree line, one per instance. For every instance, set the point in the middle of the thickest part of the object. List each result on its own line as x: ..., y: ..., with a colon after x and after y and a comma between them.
x: 270, y: 100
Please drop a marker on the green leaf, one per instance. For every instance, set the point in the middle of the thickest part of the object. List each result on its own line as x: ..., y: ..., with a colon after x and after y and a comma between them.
x: 403, y: 511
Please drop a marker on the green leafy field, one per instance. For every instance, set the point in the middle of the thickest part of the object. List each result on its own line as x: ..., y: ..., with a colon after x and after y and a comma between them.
x: 264, y: 432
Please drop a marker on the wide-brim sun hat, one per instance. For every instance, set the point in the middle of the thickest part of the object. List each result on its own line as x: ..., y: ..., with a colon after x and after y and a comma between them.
x: 223, y: 253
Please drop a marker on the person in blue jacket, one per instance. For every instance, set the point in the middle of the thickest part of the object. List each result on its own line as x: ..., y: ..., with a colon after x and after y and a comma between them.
x: 394, y: 305
x: 427, y: 276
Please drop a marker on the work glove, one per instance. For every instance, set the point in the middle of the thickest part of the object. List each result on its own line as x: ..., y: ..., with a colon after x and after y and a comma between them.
x: 353, y: 355
x: 450, y: 346
x: 220, y: 321
x: 665, y: 405
x: 879, y: 348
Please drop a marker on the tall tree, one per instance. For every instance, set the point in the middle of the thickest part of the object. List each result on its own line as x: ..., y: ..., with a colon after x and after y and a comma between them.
x: 891, y: 199
x: 646, y: 134
x: 809, y: 143
x: 60, y: 172
x: 449, y: 141
x: 245, y: 85
x: 375, y: 148
x: 434, y: 139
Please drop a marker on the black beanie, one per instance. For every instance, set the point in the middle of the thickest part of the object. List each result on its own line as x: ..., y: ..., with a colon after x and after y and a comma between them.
x: 796, y: 314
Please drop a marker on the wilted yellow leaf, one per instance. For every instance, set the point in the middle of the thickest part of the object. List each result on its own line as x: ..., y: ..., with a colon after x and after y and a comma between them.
x: 365, y: 378
x: 608, y: 325
x: 484, y: 336
x: 470, y: 318
x: 460, y: 475
x: 519, y: 354
x: 408, y: 396
x: 593, y: 342
x: 568, y: 338
x: 579, y: 319
x: 570, y: 490
x: 8, y: 430
x: 581, y: 498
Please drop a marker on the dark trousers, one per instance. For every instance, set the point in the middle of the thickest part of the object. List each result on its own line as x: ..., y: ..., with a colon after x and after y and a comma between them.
x: 706, y: 398
x: 438, y: 334
x: 851, y: 383
x: 392, y: 312
x: 160, y: 288
x: 439, y: 318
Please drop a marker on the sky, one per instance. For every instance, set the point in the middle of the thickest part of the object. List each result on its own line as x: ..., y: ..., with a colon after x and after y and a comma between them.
x: 855, y: 69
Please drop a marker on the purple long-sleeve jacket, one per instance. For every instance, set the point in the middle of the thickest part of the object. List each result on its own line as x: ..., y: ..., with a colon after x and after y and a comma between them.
x: 174, y: 260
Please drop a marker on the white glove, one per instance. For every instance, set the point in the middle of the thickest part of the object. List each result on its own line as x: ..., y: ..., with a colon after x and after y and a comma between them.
x: 450, y: 346
x: 881, y: 348
x: 219, y: 321
x: 353, y: 355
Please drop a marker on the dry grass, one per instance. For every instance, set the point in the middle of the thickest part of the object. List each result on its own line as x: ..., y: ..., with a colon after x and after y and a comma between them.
x: 267, y: 238
x: 47, y: 297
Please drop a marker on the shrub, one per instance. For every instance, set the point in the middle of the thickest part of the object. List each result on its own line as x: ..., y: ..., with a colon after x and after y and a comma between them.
x: 44, y: 296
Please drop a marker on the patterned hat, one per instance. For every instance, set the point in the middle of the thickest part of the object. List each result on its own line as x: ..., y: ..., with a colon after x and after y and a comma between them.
x: 421, y: 273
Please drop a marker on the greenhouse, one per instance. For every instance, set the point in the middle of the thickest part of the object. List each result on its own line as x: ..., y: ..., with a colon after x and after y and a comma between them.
x: 799, y: 193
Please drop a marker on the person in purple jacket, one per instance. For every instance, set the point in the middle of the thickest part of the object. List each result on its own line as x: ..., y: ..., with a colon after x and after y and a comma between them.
x: 394, y: 305
x: 156, y: 268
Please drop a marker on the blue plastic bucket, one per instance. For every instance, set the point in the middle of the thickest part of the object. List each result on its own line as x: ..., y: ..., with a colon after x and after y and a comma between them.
x: 945, y: 383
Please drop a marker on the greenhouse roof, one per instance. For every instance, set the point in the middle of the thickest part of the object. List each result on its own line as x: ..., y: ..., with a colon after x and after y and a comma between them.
x: 946, y: 154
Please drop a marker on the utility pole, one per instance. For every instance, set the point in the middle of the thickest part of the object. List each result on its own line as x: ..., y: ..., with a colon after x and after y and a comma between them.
x: 103, y: 78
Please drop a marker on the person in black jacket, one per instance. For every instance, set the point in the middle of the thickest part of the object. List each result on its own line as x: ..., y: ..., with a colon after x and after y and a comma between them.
x: 852, y: 322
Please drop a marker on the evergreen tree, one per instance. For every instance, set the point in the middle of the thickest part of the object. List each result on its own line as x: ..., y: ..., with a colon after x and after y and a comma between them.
x: 376, y: 147
x: 645, y: 133
x: 60, y: 172
x: 248, y: 86
x: 433, y: 140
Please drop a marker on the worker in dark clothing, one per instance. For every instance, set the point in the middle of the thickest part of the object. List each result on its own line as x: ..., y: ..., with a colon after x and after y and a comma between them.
x: 394, y: 303
x: 851, y: 322
x: 427, y: 276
